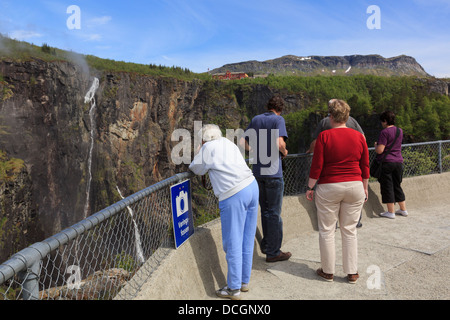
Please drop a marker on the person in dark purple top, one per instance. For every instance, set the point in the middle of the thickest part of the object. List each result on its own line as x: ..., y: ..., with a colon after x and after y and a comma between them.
x: 392, y: 166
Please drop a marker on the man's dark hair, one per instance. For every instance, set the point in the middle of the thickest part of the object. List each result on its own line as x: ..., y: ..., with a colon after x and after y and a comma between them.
x: 389, y: 117
x: 276, y: 103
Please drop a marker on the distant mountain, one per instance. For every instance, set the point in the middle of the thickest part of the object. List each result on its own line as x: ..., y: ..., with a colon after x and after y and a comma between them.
x: 330, y: 65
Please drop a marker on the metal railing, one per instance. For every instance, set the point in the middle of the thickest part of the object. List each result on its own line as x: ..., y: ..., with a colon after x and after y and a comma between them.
x: 96, y: 257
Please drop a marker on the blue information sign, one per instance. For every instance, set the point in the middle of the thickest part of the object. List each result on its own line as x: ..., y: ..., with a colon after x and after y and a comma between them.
x: 183, y: 222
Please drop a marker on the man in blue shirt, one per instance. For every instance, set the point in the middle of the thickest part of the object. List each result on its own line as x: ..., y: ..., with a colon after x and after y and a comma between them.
x: 265, y: 138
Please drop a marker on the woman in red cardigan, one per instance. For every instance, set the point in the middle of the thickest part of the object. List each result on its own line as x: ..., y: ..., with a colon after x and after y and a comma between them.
x: 340, y: 168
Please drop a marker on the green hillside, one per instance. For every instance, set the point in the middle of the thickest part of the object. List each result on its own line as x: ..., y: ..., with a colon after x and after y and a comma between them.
x: 19, y: 50
x: 422, y: 104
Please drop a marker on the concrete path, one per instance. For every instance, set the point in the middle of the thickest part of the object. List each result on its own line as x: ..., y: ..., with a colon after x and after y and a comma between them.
x: 401, y: 258
x: 404, y: 258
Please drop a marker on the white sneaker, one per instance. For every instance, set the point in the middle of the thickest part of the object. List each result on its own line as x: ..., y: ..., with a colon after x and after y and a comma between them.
x: 402, y: 213
x: 388, y: 214
x: 226, y: 292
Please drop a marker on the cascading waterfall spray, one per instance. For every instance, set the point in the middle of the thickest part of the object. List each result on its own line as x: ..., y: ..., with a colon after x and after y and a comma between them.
x: 137, y: 235
x: 90, y: 97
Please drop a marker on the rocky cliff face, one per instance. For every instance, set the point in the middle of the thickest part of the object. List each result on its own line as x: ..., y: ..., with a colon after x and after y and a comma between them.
x: 42, y: 124
x: 48, y: 127
x: 18, y: 219
x: 328, y: 65
x: 46, y: 122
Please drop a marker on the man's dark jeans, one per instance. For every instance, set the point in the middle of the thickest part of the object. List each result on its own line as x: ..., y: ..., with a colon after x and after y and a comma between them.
x: 270, y: 199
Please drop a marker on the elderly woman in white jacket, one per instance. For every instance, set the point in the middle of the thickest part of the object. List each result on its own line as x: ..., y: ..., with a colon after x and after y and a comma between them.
x: 235, y: 186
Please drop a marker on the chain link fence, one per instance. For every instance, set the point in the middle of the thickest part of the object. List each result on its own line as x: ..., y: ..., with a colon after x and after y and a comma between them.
x: 95, y: 258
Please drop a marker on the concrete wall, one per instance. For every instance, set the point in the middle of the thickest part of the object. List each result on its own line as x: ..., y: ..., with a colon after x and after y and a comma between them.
x: 198, y: 267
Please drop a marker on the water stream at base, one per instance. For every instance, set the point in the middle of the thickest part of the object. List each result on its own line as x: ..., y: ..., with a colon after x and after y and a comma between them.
x: 137, y: 235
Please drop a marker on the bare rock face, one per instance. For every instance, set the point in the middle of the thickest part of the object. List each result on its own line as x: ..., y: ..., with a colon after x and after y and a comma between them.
x: 41, y: 121
x: 46, y: 123
x: 102, y: 285
x: 18, y: 212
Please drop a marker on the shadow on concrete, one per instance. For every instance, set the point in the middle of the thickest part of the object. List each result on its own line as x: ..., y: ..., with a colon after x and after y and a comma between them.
x: 197, y: 268
x: 296, y: 269
x: 258, y: 239
x: 373, y: 206
x: 208, y: 262
x: 310, y: 208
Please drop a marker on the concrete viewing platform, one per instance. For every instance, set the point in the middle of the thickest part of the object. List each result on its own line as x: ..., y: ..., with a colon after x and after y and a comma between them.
x: 401, y: 258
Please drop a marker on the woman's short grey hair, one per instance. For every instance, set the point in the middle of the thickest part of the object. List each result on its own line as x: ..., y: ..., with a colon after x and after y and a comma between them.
x: 339, y: 109
x: 210, y: 132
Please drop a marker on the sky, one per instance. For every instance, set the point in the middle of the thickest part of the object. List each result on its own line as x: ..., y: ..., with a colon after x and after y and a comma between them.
x: 205, y: 34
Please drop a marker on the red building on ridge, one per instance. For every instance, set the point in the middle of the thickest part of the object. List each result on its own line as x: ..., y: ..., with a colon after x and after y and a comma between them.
x: 230, y: 76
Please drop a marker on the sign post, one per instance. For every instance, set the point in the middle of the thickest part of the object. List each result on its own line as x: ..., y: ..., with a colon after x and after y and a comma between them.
x: 183, y: 221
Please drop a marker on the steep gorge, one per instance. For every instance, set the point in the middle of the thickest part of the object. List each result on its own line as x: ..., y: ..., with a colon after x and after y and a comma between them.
x: 45, y: 122
x: 45, y: 125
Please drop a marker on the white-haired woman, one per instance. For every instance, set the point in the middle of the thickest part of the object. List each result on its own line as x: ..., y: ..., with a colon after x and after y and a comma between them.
x: 235, y: 186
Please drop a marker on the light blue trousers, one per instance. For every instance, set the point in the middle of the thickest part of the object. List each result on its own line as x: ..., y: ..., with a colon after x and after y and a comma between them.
x: 239, y: 216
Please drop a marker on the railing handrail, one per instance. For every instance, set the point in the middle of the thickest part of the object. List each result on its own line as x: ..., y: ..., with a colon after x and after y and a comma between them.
x: 26, y: 258
x: 373, y: 148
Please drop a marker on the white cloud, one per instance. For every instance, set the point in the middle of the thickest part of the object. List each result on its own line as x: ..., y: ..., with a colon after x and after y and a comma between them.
x: 99, y: 21
x: 91, y: 37
x: 433, y: 3
x: 24, y: 34
x: 103, y: 47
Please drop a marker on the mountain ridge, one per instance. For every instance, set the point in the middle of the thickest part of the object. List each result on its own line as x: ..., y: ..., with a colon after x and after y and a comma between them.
x: 374, y: 64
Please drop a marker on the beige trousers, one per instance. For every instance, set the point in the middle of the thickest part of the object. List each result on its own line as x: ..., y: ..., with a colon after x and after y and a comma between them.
x: 341, y: 202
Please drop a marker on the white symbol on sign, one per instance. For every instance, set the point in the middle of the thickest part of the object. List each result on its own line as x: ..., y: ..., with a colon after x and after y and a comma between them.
x: 182, y: 203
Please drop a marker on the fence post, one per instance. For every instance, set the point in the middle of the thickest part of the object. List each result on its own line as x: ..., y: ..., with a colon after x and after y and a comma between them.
x: 30, y: 278
x: 440, y: 156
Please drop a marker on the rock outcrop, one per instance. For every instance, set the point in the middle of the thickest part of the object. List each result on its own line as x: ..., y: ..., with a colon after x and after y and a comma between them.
x: 329, y: 65
x: 45, y: 122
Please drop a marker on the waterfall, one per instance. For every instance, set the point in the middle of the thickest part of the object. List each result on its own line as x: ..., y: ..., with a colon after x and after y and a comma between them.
x: 90, y: 97
x: 137, y: 235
